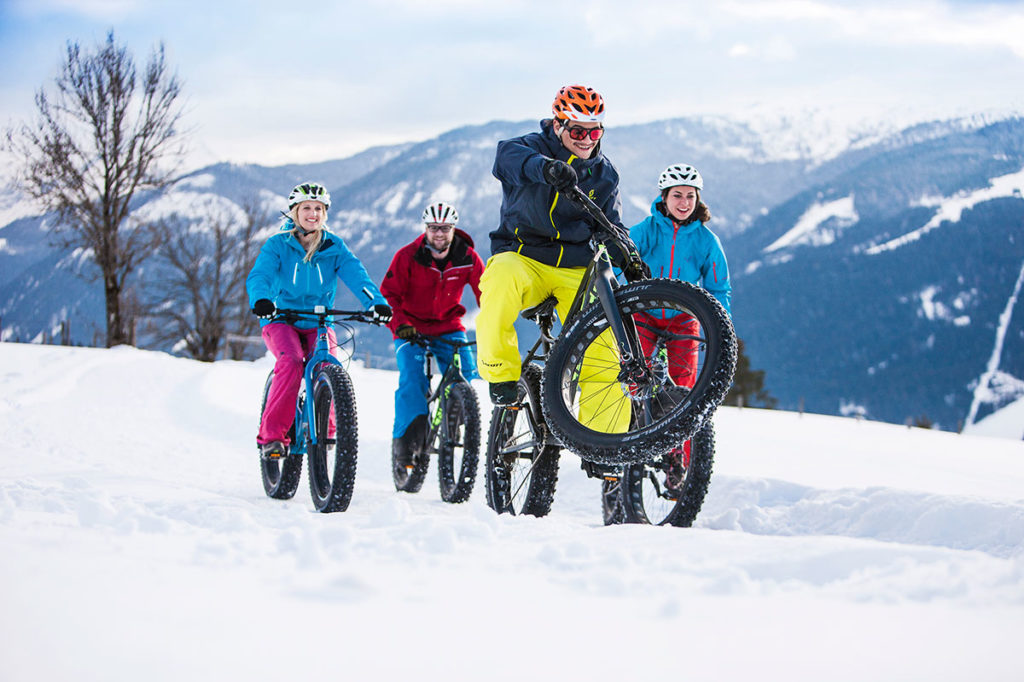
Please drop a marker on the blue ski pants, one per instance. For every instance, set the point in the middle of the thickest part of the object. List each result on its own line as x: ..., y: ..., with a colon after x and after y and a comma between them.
x: 413, y: 389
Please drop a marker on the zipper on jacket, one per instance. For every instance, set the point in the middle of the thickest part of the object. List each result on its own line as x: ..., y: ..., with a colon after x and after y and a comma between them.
x: 551, y: 217
x: 672, y: 254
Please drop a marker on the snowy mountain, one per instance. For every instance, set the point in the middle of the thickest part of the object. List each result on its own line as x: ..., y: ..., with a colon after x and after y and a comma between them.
x: 893, y: 288
x: 138, y: 545
x: 887, y: 259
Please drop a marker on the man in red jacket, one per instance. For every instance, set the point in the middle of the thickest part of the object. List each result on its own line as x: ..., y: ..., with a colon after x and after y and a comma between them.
x: 424, y: 288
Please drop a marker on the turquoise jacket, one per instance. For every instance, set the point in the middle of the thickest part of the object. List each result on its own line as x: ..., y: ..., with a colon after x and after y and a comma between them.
x: 691, y: 253
x: 281, y: 275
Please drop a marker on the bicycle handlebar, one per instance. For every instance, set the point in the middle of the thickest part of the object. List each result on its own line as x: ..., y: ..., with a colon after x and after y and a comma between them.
x: 423, y: 339
x: 617, y: 234
x: 320, y: 312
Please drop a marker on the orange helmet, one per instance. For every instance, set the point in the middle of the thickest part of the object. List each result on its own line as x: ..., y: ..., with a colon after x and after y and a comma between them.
x: 578, y: 103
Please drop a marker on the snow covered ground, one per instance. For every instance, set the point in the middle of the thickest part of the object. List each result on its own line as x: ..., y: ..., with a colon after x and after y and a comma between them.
x: 137, y: 544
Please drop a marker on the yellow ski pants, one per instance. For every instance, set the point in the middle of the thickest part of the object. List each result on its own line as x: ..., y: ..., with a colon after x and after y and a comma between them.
x: 511, y: 283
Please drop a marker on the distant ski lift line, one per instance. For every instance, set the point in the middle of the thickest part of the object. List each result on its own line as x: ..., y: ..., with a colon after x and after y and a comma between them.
x: 997, y: 351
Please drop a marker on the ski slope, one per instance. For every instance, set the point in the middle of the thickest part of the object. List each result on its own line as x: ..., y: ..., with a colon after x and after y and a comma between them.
x: 138, y: 545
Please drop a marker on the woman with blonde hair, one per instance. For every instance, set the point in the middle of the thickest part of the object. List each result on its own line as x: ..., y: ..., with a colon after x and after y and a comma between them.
x: 299, y: 268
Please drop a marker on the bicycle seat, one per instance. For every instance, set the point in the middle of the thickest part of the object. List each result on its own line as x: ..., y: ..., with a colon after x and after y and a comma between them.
x: 545, y: 307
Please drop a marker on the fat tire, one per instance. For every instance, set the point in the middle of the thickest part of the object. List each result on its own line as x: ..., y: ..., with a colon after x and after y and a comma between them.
x: 331, y: 484
x: 533, y: 492
x: 674, y: 424
x: 280, y: 476
x: 459, y: 429
x: 641, y: 485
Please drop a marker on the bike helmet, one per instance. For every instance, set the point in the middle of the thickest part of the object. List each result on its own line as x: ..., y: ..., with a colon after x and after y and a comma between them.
x: 578, y: 103
x: 440, y: 213
x: 309, y: 191
x: 680, y: 174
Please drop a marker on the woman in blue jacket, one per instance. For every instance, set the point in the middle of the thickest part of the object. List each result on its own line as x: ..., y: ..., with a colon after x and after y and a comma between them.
x: 299, y: 268
x: 675, y: 242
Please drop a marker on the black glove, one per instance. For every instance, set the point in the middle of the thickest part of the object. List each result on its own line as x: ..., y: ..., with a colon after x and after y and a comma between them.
x: 637, y: 270
x: 382, y: 313
x: 559, y: 175
x: 406, y: 331
x: 264, y: 308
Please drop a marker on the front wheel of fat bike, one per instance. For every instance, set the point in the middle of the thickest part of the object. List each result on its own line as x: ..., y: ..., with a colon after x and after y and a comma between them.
x: 332, y: 461
x: 616, y: 404
x: 522, y: 462
x: 458, y: 442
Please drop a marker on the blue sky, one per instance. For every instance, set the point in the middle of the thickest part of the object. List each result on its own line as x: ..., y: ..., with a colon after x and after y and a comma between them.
x: 286, y: 82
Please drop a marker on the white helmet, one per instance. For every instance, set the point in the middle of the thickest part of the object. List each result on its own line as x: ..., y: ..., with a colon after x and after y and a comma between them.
x: 440, y: 213
x: 309, y: 191
x: 680, y: 174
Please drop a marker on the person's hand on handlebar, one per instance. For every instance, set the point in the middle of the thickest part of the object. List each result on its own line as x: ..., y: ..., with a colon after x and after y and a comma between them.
x: 264, y: 308
x: 637, y: 270
x: 381, y: 313
x: 559, y: 175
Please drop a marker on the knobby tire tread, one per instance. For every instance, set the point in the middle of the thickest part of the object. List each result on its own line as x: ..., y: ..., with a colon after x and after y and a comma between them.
x: 695, y: 485
x: 639, y: 445
x: 539, y: 492
x: 332, y: 490
x: 281, y: 476
x: 460, y: 401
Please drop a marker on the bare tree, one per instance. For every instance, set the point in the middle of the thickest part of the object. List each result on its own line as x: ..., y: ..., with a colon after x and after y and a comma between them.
x: 97, y: 144
x: 197, y: 292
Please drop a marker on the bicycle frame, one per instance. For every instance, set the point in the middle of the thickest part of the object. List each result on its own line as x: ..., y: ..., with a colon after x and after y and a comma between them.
x: 305, y: 412
x: 599, y: 277
x: 451, y: 376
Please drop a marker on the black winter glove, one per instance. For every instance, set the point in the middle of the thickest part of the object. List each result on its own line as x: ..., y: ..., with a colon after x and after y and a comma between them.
x: 559, y: 175
x: 637, y: 270
x: 264, y: 308
x: 382, y: 313
x: 406, y: 331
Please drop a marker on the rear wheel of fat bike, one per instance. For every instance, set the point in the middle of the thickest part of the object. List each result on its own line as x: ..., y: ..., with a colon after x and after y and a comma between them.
x: 332, y: 461
x: 617, y: 408
x: 458, y: 442
x: 669, y: 490
x: 280, y: 475
x: 521, y: 471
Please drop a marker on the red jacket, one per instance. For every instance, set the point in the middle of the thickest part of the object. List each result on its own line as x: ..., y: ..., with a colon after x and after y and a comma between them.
x: 422, y: 295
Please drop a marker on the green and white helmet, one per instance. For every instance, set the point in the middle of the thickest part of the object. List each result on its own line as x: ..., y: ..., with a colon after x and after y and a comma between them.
x: 309, y: 191
x: 680, y: 174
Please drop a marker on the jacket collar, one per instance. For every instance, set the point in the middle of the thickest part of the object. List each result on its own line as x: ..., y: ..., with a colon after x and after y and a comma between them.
x: 457, y: 253
x: 665, y: 223
x: 292, y: 240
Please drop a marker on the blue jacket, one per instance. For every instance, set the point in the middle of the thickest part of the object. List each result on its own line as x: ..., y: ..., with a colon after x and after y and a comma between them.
x: 691, y: 253
x: 281, y: 275
x: 535, y: 220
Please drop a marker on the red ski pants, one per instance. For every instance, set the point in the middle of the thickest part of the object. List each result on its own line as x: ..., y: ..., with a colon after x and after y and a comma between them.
x: 682, y: 353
